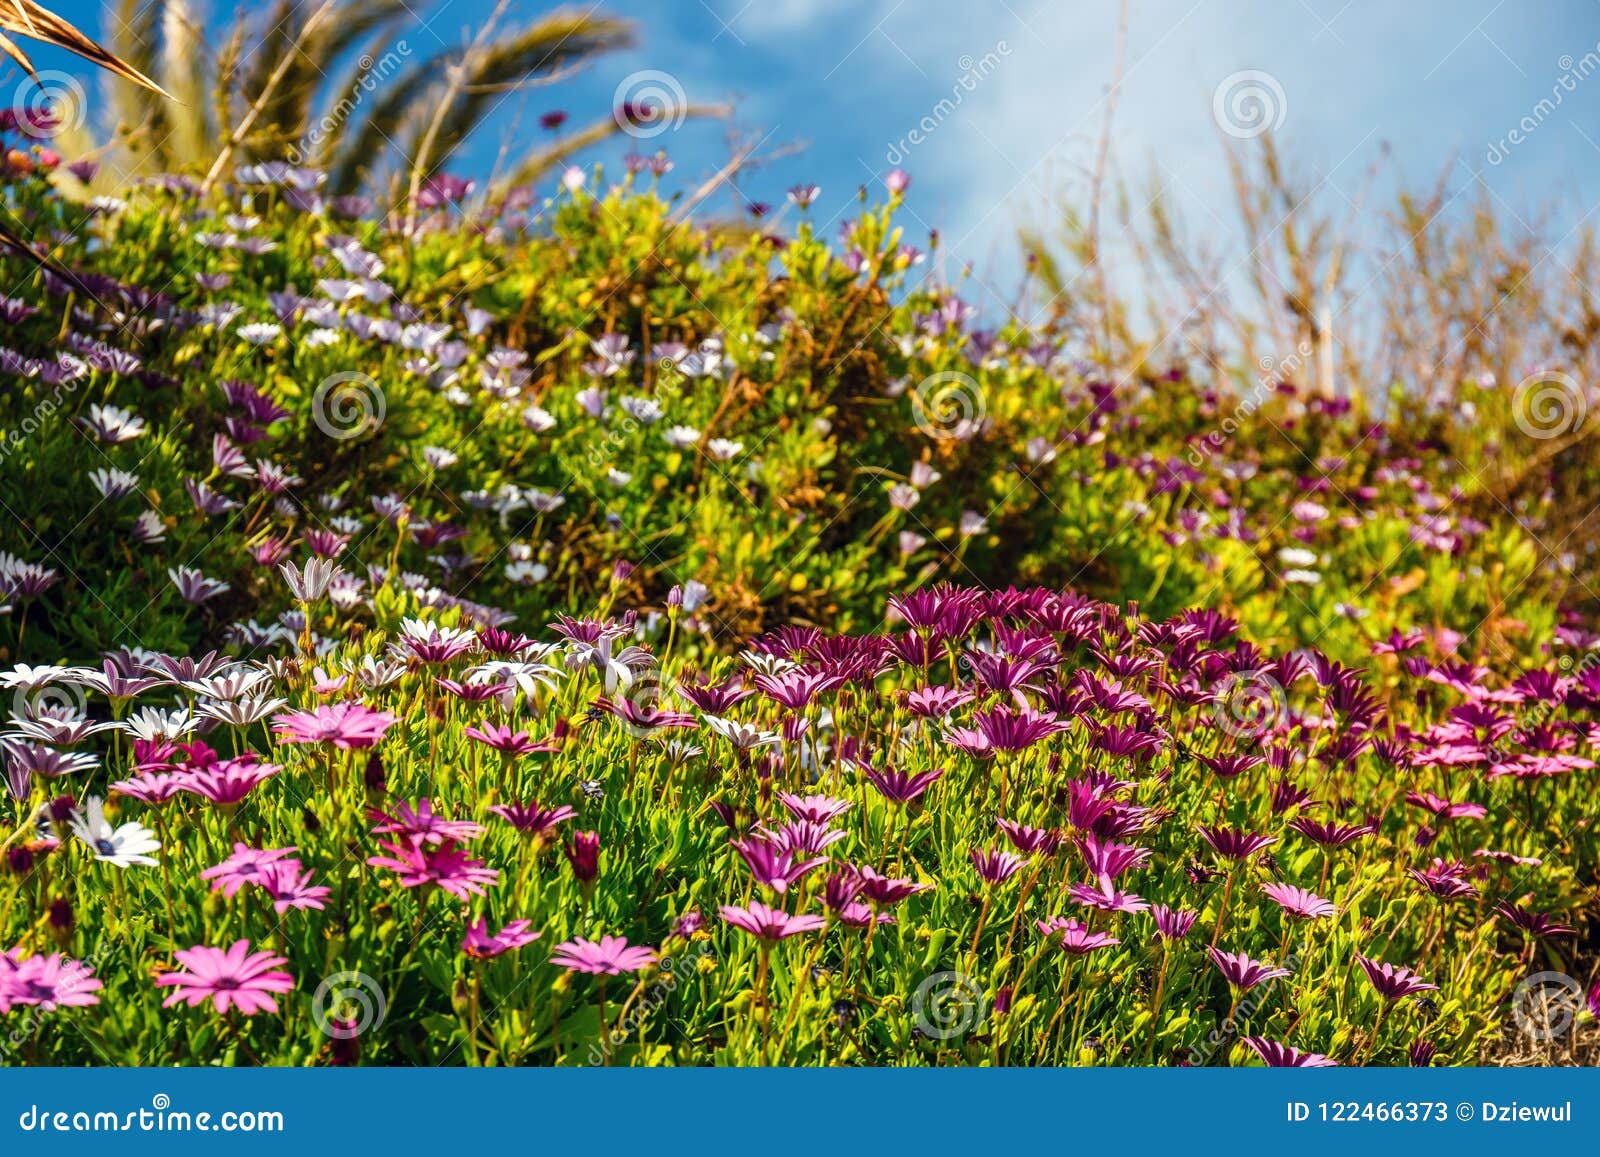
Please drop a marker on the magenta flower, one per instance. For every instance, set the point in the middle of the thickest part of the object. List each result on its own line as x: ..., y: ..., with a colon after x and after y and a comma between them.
x: 888, y: 889
x: 900, y: 787
x: 1106, y: 899
x: 1330, y: 835
x: 1281, y: 1056
x: 819, y: 809
x: 1031, y: 841
x: 46, y: 982
x: 774, y: 867
x: 1391, y: 982
x: 420, y: 825
x: 228, y: 781
x: 1172, y: 923
x: 481, y: 944
x: 289, y: 885
x: 245, y: 866
x: 583, y: 853
x: 448, y: 866
x: 995, y: 865
x: 1234, y: 844
x: 150, y: 787
x: 1243, y: 973
x: 1535, y: 924
x: 345, y: 725
x: 530, y: 818
x: 1298, y: 902
x: 1074, y: 937
x: 611, y: 956
x: 770, y: 923
x: 508, y: 742
x: 229, y: 978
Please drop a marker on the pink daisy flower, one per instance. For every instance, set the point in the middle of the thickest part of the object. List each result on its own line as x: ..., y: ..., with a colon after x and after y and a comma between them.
x: 421, y: 826
x: 447, y: 866
x: 531, y: 819
x: 245, y: 866
x: 611, y: 956
x: 289, y: 884
x: 483, y: 945
x: 229, y: 978
x: 345, y: 725
x: 770, y: 923
x: 46, y: 982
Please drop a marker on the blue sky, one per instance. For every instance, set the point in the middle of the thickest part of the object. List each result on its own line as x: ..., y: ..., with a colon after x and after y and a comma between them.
x: 834, y: 88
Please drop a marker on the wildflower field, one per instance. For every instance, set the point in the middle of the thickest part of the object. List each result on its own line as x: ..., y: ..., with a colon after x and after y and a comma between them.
x: 584, y: 630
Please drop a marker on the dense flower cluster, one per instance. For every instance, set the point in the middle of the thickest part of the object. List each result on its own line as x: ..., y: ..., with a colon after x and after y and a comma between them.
x: 1131, y: 839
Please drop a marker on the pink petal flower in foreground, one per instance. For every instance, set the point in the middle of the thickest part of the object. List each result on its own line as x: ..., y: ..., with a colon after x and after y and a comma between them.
x: 1281, y: 1056
x: 229, y: 978
x: 245, y: 866
x: 1298, y: 902
x: 447, y: 866
x: 420, y: 825
x: 611, y: 956
x: 46, y: 982
x: 345, y: 725
x: 531, y: 819
x: 1243, y: 973
x: 1391, y: 982
x: 1172, y: 923
x: 1073, y: 936
x: 481, y: 944
x: 770, y: 923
